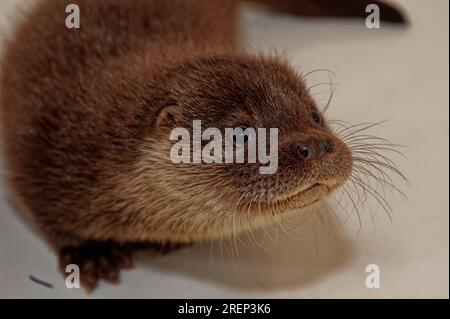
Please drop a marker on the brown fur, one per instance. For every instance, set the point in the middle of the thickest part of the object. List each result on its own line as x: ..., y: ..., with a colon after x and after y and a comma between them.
x: 79, y: 117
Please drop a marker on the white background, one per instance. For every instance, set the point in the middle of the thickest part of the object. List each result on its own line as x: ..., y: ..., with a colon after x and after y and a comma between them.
x: 399, y: 74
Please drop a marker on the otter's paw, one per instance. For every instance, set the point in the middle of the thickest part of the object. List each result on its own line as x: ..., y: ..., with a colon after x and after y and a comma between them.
x: 96, y: 262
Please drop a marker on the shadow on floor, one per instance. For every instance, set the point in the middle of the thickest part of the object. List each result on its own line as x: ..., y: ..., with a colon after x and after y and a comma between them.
x: 305, y: 249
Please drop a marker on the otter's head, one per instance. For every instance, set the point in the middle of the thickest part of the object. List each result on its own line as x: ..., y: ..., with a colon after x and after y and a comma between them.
x: 208, y: 200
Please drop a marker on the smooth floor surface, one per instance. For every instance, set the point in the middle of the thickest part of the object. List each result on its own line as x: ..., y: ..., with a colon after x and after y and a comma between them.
x: 395, y: 74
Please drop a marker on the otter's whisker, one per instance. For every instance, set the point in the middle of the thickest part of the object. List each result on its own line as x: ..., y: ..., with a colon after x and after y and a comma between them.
x: 320, y: 84
x: 368, y: 174
x: 316, y: 71
x: 378, y: 158
x: 364, y: 128
x: 359, y: 186
x: 332, y: 92
x: 383, y: 181
x: 380, y: 199
x: 375, y: 164
x: 367, y: 137
x: 363, y: 135
x: 355, y: 207
x: 377, y: 152
x: 345, y: 127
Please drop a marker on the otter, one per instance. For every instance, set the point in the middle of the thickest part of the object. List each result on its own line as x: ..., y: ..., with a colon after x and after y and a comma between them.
x: 86, y: 116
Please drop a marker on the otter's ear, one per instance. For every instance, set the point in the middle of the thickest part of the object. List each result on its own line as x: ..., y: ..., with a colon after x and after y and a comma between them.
x: 169, y: 116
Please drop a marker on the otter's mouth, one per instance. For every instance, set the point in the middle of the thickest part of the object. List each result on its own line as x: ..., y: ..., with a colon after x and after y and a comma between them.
x: 303, y: 191
x: 300, y: 198
x: 304, y: 196
x: 312, y: 187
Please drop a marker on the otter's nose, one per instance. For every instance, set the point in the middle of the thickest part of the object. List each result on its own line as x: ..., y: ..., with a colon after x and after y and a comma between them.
x: 312, y: 149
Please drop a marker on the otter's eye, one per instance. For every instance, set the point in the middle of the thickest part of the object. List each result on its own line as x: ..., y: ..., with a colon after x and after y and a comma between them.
x: 240, y: 138
x: 316, y: 117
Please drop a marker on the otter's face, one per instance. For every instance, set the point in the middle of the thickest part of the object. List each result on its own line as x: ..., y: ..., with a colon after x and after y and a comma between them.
x: 252, y: 93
